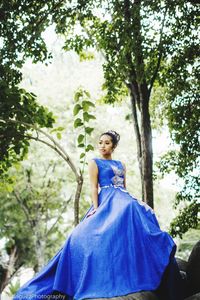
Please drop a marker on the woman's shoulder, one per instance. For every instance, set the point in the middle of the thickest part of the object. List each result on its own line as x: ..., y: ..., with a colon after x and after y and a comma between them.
x: 93, y: 165
x: 92, y: 161
x: 95, y: 161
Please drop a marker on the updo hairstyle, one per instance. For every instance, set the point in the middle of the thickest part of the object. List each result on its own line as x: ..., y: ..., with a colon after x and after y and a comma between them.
x: 115, y: 137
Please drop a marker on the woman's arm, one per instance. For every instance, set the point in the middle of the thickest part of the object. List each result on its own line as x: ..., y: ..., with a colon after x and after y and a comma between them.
x: 93, y: 174
x: 124, y: 174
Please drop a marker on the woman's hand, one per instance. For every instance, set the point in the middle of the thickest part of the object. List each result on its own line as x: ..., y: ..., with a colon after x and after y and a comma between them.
x: 92, y: 212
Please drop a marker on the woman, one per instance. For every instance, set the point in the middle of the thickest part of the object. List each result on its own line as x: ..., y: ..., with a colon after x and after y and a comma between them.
x: 118, y: 247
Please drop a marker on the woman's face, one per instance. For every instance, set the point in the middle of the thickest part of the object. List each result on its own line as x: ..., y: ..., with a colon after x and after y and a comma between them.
x: 105, y: 145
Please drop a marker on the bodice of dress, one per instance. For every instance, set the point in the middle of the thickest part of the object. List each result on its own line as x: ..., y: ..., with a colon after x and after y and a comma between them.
x: 110, y: 172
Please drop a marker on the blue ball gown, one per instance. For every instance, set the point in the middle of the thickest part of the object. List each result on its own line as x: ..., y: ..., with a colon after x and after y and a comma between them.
x: 116, y: 251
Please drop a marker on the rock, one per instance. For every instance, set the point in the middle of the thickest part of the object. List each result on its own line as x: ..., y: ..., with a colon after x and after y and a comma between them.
x: 182, y: 264
x: 135, y: 296
x: 193, y: 270
x: 194, y: 297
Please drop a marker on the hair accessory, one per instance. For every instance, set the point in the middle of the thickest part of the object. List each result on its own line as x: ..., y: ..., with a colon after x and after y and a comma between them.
x: 114, y: 136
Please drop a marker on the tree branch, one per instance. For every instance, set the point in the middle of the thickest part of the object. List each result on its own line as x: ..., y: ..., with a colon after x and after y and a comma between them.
x: 65, y: 156
x: 135, y: 118
x: 9, y: 271
x: 24, y: 208
x: 56, y: 146
x: 45, y: 174
x: 54, y: 224
x: 160, y: 53
x: 132, y: 83
x: 36, y: 23
x: 15, y: 273
x: 134, y: 88
x: 49, y: 145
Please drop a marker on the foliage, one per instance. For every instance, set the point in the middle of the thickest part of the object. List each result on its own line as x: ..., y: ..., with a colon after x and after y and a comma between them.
x: 17, y: 106
x: 188, y: 218
x: 13, y: 288
x: 22, y: 23
x: 180, y: 79
x: 143, y: 43
x: 137, y: 39
x: 183, y: 121
x: 187, y: 242
x: 83, y: 116
x: 131, y: 34
x: 19, y: 114
x: 146, y: 46
x: 31, y: 216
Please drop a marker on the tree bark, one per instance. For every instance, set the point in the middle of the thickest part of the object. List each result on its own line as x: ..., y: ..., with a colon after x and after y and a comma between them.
x: 40, y: 245
x: 140, y: 95
x: 146, y: 146
x: 144, y: 143
x: 76, y: 200
x: 7, y: 273
x: 137, y: 134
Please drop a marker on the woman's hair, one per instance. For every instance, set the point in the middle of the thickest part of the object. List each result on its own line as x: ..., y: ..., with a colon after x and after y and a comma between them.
x: 114, y: 136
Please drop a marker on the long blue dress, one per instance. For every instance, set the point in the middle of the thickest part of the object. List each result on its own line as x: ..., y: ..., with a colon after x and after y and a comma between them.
x: 116, y: 251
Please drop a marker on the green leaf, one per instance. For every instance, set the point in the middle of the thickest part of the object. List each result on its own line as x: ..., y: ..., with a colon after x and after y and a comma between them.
x: 10, y: 188
x: 86, y: 55
x: 78, y: 95
x: 77, y: 108
x: 78, y: 123
x: 87, y: 116
x: 59, y: 136
x: 89, y: 147
x: 80, y: 138
x: 81, y: 145
x: 57, y: 129
x: 87, y: 104
x: 87, y: 94
x: 82, y: 155
x: 60, y: 128
x: 88, y: 130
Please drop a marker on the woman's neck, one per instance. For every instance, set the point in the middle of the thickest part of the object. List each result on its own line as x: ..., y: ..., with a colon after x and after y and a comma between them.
x: 106, y: 157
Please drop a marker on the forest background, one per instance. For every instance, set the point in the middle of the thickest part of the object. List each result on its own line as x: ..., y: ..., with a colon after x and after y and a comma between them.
x: 46, y: 73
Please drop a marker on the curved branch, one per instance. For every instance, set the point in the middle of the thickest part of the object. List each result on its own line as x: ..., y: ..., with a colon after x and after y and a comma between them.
x: 56, y: 146
x: 55, y: 149
x: 66, y: 156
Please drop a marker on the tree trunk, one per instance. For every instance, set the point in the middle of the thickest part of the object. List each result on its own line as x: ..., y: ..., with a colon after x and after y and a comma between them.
x: 140, y: 96
x: 77, y: 198
x: 146, y: 146
x: 7, y: 273
x: 138, y: 138
x: 39, y: 243
x: 143, y: 135
x: 39, y: 251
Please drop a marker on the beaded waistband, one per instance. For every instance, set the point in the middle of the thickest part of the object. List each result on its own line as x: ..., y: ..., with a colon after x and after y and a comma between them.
x: 112, y: 185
